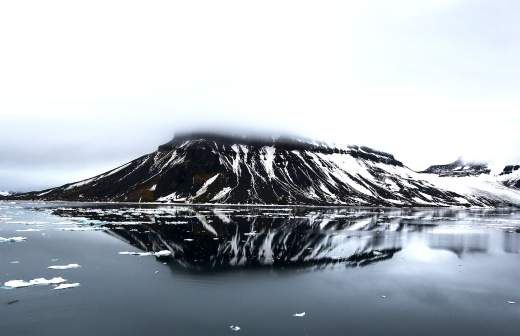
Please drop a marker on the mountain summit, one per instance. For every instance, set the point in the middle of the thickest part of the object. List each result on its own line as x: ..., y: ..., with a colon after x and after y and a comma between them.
x: 217, y: 168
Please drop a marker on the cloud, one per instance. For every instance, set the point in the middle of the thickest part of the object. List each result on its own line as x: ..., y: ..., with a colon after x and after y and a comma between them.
x: 86, y: 86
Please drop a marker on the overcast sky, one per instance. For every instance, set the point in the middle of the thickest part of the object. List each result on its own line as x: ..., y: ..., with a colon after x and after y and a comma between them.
x: 87, y: 85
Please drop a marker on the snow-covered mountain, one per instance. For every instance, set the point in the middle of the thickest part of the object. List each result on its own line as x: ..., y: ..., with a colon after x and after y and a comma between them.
x: 5, y: 193
x: 510, y: 176
x: 459, y: 168
x: 213, y: 168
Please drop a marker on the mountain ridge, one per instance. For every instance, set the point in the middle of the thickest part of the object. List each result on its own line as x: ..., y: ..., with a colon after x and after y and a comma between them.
x: 218, y: 168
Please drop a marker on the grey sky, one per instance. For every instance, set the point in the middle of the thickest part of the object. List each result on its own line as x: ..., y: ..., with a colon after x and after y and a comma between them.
x: 84, y: 87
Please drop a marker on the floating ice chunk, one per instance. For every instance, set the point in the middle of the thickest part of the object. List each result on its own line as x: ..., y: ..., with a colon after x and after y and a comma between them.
x: 141, y: 254
x: 511, y: 302
x: 383, y: 296
x: 188, y: 239
x: 14, y: 262
x: 28, y: 230
x: 12, y: 239
x: 64, y: 267
x: 83, y: 229
x: 252, y: 233
x: 66, y: 286
x: 163, y: 253
x: 234, y: 328
x: 34, y: 282
x: 302, y: 314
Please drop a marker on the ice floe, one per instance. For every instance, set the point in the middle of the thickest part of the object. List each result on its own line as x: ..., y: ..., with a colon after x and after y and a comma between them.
x: 83, y: 229
x: 302, y: 314
x: 64, y: 267
x: 12, y: 239
x: 66, y: 286
x: 234, y: 328
x: 163, y: 253
x: 34, y: 282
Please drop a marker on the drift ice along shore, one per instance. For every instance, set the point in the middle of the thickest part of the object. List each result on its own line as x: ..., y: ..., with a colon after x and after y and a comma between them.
x: 212, y: 168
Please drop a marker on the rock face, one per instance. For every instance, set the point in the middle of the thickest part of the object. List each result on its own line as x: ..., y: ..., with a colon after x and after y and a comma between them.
x: 213, y: 168
x: 511, y: 176
x: 458, y: 168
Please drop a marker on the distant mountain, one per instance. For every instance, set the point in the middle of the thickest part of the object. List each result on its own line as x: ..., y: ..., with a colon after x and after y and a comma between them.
x: 5, y: 193
x: 459, y: 168
x: 216, y: 168
x: 511, y: 176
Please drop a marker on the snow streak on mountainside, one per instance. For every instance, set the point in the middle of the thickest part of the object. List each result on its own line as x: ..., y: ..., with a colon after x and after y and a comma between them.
x: 208, y: 168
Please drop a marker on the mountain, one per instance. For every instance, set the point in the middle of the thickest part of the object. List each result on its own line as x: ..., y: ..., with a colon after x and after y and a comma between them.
x: 510, y: 176
x: 5, y: 193
x: 216, y: 168
x: 459, y: 168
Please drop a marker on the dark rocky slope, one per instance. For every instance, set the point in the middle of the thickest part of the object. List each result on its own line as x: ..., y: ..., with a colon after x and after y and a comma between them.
x: 212, y: 168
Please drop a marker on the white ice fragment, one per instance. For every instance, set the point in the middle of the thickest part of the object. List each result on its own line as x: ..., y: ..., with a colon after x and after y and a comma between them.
x: 82, y: 229
x: 14, y: 262
x: 64, y: 267
x: 28, y: 230
x: 302, y: 314
x: 66, y: 286
x: 188, y: 239
x: 163, y: 253
x: 383, y: 296
x: 34, y: 282
x: 234, y: 328
x: 141, y: 254
x: 511, y: 302
x: 12, y: 239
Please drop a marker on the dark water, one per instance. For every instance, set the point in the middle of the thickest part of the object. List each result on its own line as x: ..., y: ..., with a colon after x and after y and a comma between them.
x: 353, y: 271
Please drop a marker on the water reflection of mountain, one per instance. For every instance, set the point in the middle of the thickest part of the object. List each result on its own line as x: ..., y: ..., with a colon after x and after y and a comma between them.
x: 222, y: 238
x: 460, y: 243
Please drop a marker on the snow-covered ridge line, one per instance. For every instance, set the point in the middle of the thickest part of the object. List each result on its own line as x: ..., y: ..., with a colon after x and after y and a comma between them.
x: 220, y: 169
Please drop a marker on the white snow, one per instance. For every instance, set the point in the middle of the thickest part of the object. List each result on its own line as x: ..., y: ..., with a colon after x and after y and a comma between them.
x: 221, y: 194
x: 205, y: 186
x: 269, y: 153
x: 172, y: 197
